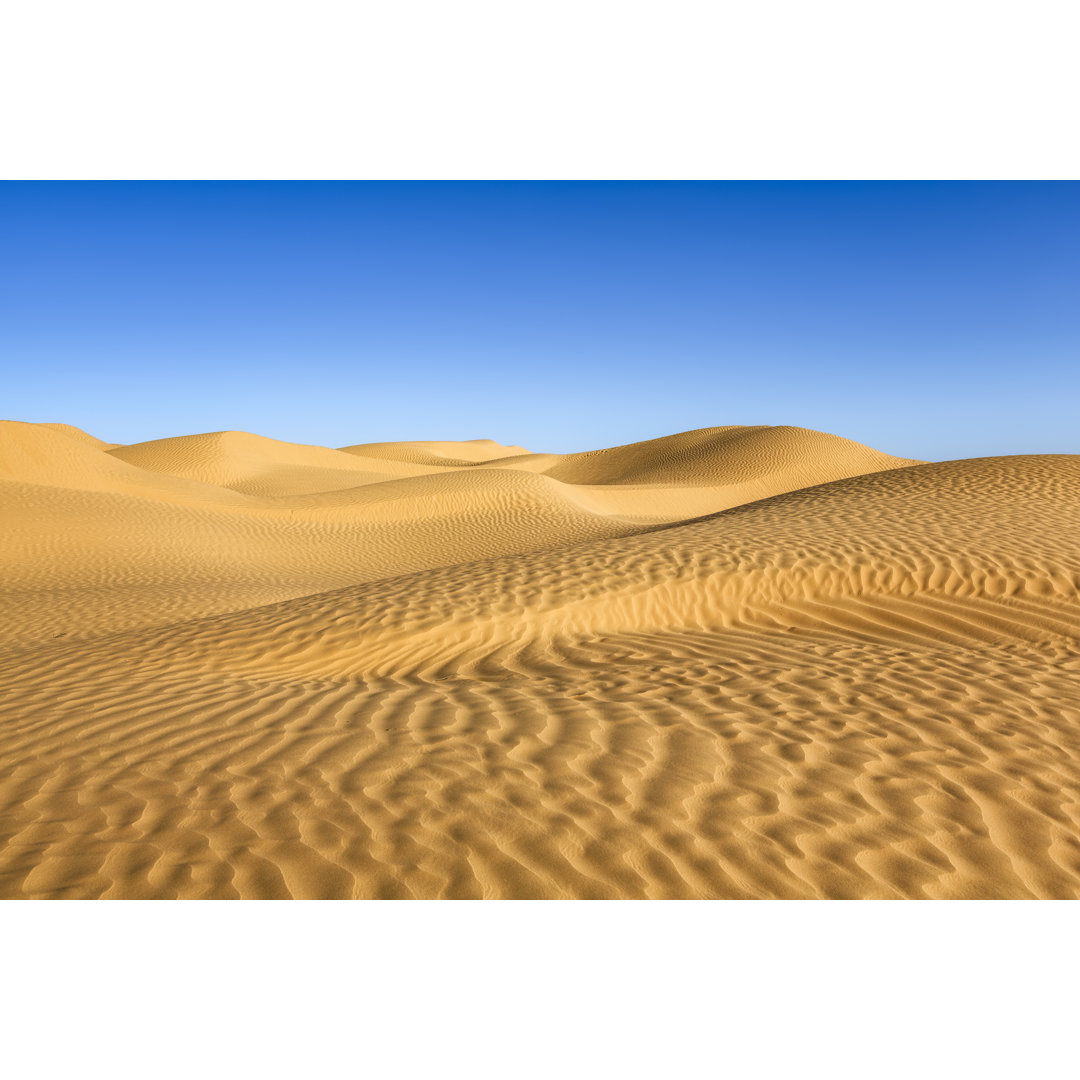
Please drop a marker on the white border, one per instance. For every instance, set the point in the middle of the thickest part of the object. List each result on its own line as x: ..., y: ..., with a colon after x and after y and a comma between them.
x: 540, y: 989
x: 584, y: 89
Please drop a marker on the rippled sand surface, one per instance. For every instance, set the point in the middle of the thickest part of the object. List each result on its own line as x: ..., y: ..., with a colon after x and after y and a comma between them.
x: 732, y: 663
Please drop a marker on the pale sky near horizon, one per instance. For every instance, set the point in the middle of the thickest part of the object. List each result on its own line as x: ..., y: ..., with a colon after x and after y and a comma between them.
x: 929, y: 320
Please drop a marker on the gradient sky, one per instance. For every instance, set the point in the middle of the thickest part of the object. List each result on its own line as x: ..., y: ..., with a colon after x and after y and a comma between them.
x: 929, y: 320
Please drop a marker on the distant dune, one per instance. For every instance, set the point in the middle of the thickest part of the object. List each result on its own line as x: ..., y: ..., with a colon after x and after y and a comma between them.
x: 741, y: 662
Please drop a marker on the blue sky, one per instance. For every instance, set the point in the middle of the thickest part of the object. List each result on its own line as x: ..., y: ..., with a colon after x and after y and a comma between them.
x: 930, y: 320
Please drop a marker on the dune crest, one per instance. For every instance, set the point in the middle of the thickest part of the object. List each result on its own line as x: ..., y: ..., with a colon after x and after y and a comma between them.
x: 439, y: 454
x: 737, y: 662
x: 78, y: 433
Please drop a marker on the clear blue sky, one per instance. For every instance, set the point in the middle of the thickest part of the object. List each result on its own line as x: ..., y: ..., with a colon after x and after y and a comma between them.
x: 934, y: 320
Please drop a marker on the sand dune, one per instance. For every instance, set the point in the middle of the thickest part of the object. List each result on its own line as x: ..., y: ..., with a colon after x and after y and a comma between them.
x: 442, y: 454
x: 732, y: 663
x: 716, y: 456
x: 79, y: 434
x: 256, y: 465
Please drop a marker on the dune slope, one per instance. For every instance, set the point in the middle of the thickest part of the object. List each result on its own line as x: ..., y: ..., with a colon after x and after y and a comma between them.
x: 869, y: 687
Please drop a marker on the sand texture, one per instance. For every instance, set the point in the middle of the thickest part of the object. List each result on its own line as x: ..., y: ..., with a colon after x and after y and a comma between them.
x: 744, y: 662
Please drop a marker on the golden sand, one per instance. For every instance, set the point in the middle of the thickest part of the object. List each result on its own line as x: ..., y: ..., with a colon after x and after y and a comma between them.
x: 732, y: 663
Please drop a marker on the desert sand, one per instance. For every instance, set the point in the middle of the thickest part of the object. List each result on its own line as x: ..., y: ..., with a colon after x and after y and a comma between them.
x: 741, y: 662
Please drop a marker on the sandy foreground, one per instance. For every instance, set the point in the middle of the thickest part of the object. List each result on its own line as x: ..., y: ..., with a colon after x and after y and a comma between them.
x: 751, y: 662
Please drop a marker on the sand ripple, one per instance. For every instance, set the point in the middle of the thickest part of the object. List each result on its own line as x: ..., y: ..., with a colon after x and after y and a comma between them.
x: 865, y: 689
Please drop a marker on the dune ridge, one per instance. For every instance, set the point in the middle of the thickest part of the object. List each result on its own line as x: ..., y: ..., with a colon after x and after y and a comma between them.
x: 733, y: 663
